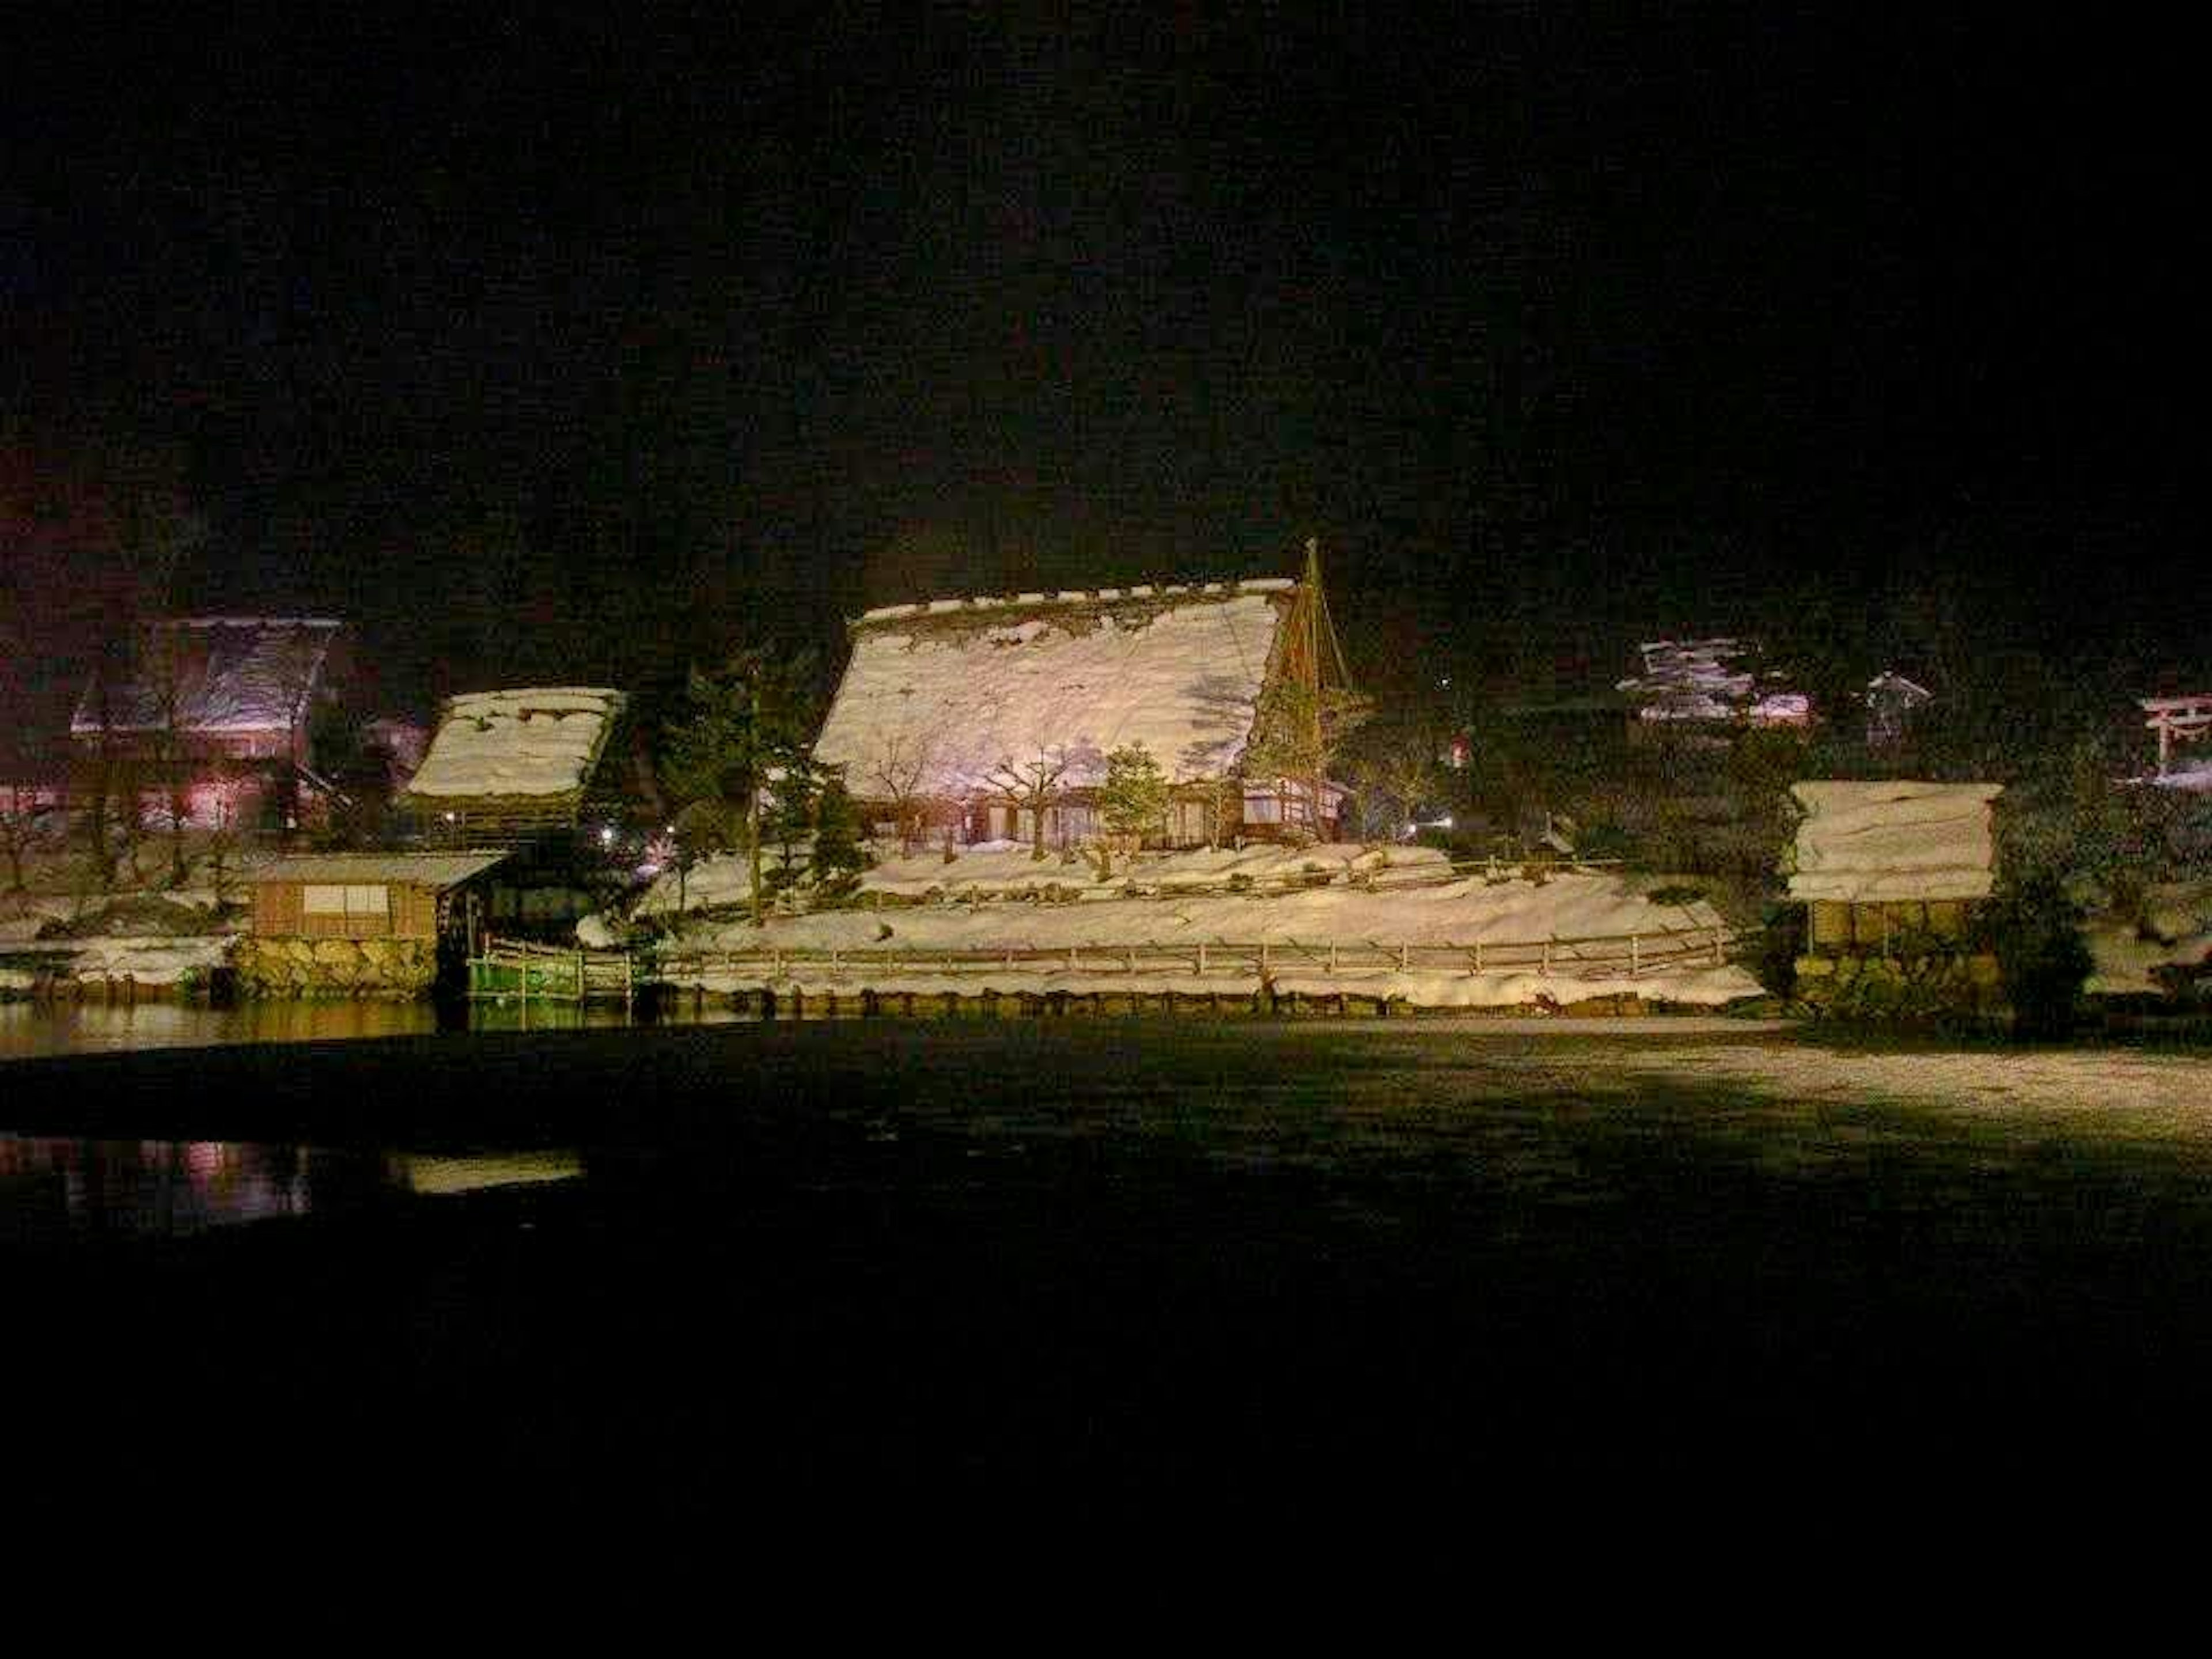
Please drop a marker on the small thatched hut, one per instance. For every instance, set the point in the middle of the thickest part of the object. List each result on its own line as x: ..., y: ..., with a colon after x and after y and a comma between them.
x: 1891, y: 872
x: 506, y: 765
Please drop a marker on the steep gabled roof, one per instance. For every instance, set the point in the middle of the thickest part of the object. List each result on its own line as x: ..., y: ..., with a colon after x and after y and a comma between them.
x: 216, y: 674
x: 955, y: 687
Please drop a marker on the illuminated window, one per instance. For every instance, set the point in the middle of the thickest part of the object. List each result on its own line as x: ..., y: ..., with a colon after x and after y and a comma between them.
x: 361, y: 902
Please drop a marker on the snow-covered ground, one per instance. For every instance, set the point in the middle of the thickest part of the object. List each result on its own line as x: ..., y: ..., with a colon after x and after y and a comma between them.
x: 2179, y: 919
x: 147, y: 961
x: 1579, y: 905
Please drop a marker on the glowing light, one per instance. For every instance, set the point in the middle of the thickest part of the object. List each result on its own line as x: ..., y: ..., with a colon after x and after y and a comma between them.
x: 606, y: 837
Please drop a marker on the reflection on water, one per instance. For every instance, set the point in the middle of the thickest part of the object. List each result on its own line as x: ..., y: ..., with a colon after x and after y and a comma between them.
x: 30, y: 1030
x: 58, y: 1188
x: 441, y: 1177
x: 66, y: 1027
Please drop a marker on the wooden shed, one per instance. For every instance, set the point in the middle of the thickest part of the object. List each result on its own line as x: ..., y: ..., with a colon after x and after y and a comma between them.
x: 357, y: 895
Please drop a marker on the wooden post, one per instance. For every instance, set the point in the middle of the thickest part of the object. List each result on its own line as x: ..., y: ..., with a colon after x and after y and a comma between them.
x: 1478, y: 956
x: 1071, y: 959
x: 1201, y: 957
x: 1405, y: 957
x: 1635, y: 958
x: 1718, y: 959
x: 1332, y: 956
x: 1545, y: 970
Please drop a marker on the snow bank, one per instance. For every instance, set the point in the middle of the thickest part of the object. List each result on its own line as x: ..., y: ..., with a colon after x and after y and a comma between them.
x: 2178, y: 917
x: 1869, y: 842
x: 598, y: 932
x: 1706, y: 988
x: 535, y: 741
x: 149, y: 961
x: 1182, y: 676
x: 1583, y: 905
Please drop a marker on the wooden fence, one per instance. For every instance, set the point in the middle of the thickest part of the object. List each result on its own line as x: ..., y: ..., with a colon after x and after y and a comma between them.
x: 519, y: 970
x: 1629, y: 955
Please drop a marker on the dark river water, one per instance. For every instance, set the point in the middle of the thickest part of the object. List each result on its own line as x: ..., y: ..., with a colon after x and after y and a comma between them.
x: 680, y: 1263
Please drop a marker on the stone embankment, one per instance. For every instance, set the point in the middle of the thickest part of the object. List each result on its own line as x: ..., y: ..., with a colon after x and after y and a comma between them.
x: 396, y: 969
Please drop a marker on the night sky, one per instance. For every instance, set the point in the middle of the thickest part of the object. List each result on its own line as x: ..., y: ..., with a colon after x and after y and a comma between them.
x: 549, y: 349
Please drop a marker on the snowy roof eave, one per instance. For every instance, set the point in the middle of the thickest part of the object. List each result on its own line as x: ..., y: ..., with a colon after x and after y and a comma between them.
x: 982, y: 603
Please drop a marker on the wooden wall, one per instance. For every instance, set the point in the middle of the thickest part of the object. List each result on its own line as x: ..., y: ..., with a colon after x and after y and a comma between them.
x: 280, y: 912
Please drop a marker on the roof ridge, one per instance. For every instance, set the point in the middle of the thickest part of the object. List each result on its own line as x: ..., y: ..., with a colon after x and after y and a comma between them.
x: 1037, y: 599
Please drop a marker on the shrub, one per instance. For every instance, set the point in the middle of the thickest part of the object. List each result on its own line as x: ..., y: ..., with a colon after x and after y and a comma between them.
x: 1781, y: 942
x: 2033, y: 929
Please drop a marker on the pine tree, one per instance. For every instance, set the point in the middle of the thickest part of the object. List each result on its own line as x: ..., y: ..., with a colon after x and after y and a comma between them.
x: 838, y: 859
x: 747, y: 723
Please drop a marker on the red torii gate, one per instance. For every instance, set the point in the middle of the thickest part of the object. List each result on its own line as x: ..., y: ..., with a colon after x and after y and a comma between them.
x: 2177, y: 721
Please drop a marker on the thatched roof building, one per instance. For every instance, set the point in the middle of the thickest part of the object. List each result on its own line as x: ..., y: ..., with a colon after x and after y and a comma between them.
x: 515, y: 762
x: 241, y: 686
x: 1864, y: 843
x: 940, y: 699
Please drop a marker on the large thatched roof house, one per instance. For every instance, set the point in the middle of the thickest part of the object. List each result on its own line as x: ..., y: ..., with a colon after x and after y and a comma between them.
x: 976, y: 716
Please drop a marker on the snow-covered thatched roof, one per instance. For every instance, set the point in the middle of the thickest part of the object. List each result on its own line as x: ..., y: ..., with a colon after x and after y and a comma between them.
x: 1691, y: 679
x: 1892, y: 684
x: 1871, y: 842
x: 216, y: 674
x: 433, y: 870
x: 538, y: 741
x: 953, y: 688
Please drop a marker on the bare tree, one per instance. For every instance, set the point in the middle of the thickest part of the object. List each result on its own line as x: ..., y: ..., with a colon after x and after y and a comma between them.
x: 15, y: 820
x: 895, y: 772
x: 223, y: 840
x: 162, y: 671
x: 1030, y: 786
